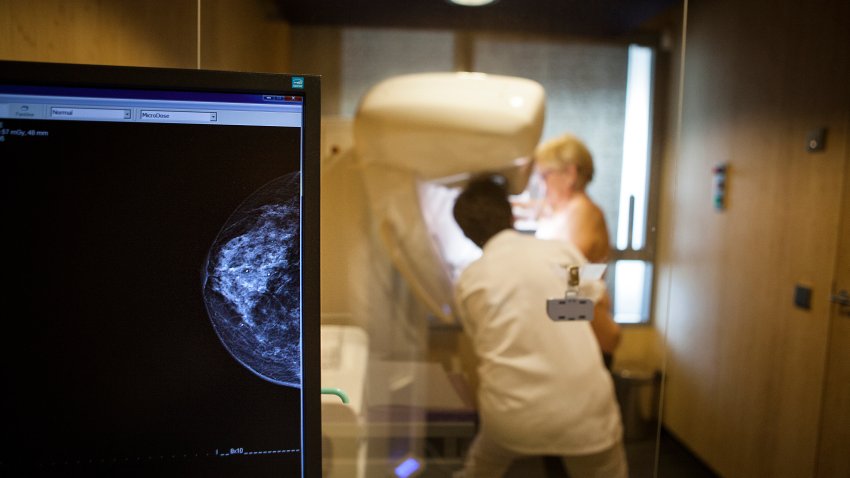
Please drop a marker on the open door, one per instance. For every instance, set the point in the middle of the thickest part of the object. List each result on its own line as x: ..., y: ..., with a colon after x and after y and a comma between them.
x: 833, y: 459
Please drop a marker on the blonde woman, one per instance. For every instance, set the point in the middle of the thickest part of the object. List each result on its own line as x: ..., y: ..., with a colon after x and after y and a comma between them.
x: 566, y: 167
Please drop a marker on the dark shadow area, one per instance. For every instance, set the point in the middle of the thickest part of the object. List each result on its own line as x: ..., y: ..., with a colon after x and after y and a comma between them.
x: 675, y: 460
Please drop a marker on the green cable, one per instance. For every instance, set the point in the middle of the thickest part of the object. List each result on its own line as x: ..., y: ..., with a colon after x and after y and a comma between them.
x: 336, y: 391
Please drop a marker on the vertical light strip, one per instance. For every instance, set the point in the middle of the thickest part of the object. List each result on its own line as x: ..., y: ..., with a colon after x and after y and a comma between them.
x: 198, y: 46
x: 634, y: 182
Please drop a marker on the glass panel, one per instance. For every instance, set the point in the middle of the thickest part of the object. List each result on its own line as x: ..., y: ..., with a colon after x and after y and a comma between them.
x: 375, y: 243
x: 414, y: 377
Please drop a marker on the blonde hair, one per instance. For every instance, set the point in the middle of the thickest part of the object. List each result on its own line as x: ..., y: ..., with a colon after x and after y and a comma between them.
x: 564, y: 150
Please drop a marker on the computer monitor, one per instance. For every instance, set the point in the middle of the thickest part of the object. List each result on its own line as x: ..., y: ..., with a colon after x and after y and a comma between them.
x: 161, y: 232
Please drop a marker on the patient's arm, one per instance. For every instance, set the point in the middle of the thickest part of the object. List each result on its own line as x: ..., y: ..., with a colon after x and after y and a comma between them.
x: 606, y: 330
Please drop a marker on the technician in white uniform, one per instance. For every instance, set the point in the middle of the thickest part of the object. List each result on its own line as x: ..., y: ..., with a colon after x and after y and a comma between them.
x: 544, y: 389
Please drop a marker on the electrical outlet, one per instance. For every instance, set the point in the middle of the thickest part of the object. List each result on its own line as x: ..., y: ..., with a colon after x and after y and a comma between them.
x: 803, y: 297
x: 816, y: 140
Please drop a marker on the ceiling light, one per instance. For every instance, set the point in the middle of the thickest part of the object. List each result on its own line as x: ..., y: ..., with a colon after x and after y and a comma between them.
x: 472, y: 3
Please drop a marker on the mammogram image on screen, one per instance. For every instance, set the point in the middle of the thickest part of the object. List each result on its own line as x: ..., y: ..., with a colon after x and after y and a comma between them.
x: 251, y: 282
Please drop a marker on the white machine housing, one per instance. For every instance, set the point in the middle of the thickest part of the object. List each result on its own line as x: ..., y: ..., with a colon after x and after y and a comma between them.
x: 441, y: 125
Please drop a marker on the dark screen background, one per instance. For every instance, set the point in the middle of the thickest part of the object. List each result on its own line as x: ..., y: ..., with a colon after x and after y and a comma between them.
x: 110, y: 361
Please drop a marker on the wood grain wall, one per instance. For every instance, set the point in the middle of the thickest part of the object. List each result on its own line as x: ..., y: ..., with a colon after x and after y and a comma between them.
x: 235, y: 35
x: 744, y: 365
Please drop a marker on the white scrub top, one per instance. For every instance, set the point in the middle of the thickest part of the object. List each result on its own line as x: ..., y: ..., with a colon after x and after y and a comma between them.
x: 544, y: 388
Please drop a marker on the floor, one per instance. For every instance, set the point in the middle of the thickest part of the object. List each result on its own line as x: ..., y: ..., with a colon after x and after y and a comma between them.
x: 651, y: 453
x: 674, y: 461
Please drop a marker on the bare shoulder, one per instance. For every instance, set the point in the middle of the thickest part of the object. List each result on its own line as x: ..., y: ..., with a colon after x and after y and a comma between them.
x: 587, y: 215
x: 588, y: 229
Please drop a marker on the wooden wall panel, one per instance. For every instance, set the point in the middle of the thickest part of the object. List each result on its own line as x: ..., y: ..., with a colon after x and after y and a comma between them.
x: 236, y: 35
x: 244, y: 36
x: 318, y: 51
x: 151, y: 33
x: 745, y: 367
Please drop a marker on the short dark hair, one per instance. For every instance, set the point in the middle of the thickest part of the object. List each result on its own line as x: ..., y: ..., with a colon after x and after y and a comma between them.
x: 482, y: 209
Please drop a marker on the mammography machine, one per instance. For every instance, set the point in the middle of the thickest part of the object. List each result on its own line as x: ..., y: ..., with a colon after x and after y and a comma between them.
x: 391, y: 250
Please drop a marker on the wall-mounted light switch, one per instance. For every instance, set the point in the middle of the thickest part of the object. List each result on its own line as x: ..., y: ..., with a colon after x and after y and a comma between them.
x: 718, y: 188
x: 803, y: 297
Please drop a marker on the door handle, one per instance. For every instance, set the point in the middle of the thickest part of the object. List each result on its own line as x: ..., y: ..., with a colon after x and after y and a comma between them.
x: 842, y: 298
x: 843, y: 301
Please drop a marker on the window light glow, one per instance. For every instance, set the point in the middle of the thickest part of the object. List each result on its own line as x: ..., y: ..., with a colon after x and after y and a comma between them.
x: 633, y: 187
x: 631, y: 285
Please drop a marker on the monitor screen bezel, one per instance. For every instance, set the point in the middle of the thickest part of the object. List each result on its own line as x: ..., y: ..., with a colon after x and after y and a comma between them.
x: 196, y: 80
